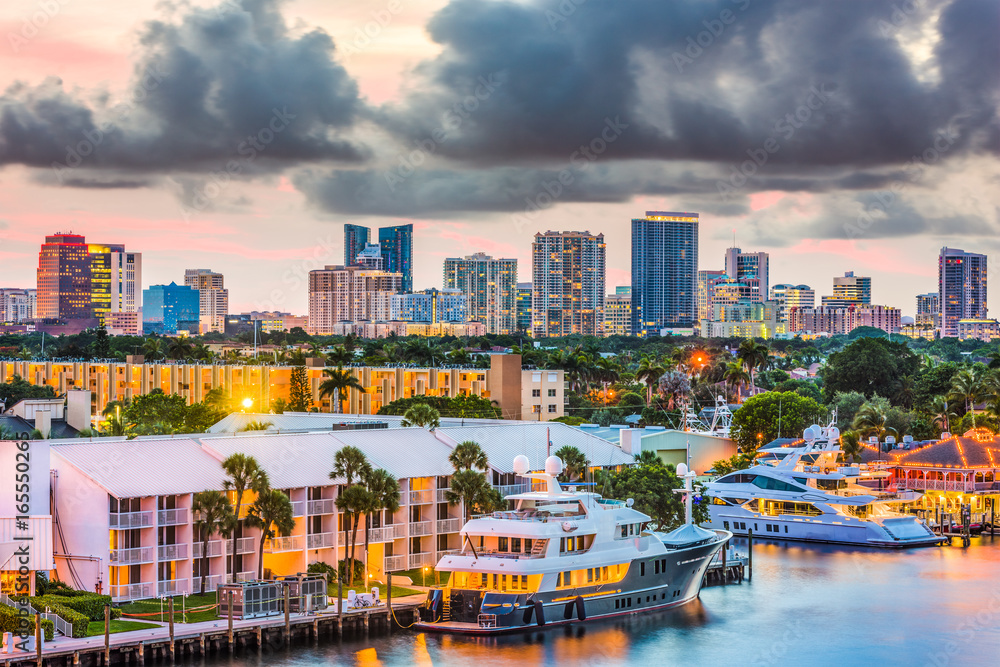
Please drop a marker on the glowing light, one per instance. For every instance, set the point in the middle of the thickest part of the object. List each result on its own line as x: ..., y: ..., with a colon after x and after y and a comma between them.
x: 247, y: 403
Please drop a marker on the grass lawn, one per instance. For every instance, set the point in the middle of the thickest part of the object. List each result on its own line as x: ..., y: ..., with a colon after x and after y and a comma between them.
x: 417, y: 575
x: 397, y: 591
x: 153, y: 607
x: 96, y: 628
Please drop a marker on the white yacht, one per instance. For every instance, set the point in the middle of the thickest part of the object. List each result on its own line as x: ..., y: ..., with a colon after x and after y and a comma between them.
x: 562, y: 556
x: 805, y: 492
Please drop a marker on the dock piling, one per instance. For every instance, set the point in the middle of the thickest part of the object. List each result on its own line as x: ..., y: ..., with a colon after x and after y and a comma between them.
x: 38, y: 638
x: 388, y: 598
x: 230, y: 613
x: 107, y: 634
x: 750, y: 554
x: 170, y: 616
x: 288, y: 620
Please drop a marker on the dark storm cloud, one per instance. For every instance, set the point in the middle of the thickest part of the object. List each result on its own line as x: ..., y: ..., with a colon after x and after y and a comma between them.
x: 224, y: 83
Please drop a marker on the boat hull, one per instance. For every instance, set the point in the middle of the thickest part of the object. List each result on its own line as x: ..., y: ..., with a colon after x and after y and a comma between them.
x: 647, y: 587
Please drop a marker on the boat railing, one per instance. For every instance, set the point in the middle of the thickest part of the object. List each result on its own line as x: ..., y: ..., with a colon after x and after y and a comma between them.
x: 487, y: 620
x: 531, y: 516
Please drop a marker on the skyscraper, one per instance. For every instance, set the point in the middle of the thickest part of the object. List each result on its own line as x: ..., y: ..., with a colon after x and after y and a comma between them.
x: 928, y: 310
x: 64, y: 278
x: 397, y: 249
x: 851, y: 290
x: 746, y: 266
x: 349, y: 294
x: 17, y: 305
x: 618, y: 314
x: 168, y: 309
x: 567, y: 284
x: 431, y: 305
x: 961, y: 288
x: 490, y: 288
x: 213, y: 298
x: 705, y: 279
x: 664, y: 271
x: 370, y: 258
x: 792, y: 296
x: 524, y: 307
x: 355, y: 239
x: 115, y: 281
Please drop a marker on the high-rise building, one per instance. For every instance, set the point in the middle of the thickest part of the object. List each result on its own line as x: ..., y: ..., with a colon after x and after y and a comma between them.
x: 961, y: 288
x: 524, y: 307
x: 17, y: 305
x: 664, y: 271
x: 727, y: 290
x: 370, y: 258
x: 567, y: 284
x: 431, y: 305
x: 705, y: 279
x: 397, y: 249
x: 746, y: 266
x: 349, y: 294
x: 928, y: 311
x: 64, y: 278
x: 851, y: 290
x: 623, y: 289
x: 843, y: 319
x: 115, y: 283
x: 355, y: 239
x: 170, y: 309
x: 490, y: 287
x: 618, y: 314
x: 792, y: 296
x: 213, y: 298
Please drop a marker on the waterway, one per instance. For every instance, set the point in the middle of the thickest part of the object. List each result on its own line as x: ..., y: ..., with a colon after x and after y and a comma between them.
x: 808, y: 605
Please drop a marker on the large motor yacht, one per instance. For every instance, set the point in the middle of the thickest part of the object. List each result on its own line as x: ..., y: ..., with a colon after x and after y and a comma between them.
x: 564, y: 556
x: 805, y: 491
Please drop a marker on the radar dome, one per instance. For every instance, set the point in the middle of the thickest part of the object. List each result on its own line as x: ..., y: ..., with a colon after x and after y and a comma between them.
x: 553, y: 465
x: 682, y: 469
x: 834, y: 433
x: 521, y: 464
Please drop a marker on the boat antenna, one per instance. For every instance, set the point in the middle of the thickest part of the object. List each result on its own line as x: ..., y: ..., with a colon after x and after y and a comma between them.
x: 779, y: 417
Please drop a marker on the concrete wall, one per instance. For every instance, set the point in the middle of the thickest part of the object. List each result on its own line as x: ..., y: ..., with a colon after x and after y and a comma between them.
x: 671, y: 446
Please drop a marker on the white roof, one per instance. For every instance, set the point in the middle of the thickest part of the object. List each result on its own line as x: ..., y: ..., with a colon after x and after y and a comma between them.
x: 503, y: 442
x: 141, y: 467
x: 323, y: 421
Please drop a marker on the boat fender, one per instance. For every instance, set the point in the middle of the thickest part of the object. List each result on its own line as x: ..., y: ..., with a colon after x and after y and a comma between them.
x: 526, y: 619
x: 568, y: 611
x: 539, y: 613
x: 581, y: 613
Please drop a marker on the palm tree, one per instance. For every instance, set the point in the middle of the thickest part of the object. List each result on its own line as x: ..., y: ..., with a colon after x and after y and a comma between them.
x: 648, y: 457
x: 272, y: 513
x: 467, y: 486
x: 336, y: 385
x: 943, y: 414
x: 179, y: 349
x: 968, y: 386
x: 904, y: 392
x: 459, y: 357
x: 575, y: 463
x: 736, y: 376
x: 340, y: 356
x: 351, y: 464
x: 871, y: 420
x: 649, y: 371
x: 350, y: 342
x: 201, y: 352
x: 755, y: 356
x: 257, y: 426
x: 152, y: 349
x: 383, y: 495
x: 244, y: 474
x: 850, y: 443
x: 468, y: 455
x: 215, y: 515
x: 421, y: 414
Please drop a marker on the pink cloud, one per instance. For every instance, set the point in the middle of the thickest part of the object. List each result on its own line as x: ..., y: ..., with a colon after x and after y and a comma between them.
x: 760, y: 200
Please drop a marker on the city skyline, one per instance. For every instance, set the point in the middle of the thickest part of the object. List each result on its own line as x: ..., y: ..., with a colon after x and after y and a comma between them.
x: 812, y: 204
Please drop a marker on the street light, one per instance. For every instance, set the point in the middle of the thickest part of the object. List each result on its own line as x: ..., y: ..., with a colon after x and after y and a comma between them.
x: 423, y: 577
x: 247, y: 403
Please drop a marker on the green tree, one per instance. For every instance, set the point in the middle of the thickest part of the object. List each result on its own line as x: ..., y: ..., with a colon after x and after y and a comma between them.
x: 847, y: 404
x: 967, y: 389
x: 850, y: 443
x: 470, y: 488
x: 763, y: 417
x: 299, y: 394
x: 152, y: 349
x: 102, y: 344
x: 652, y: 486
x: 463, y: 405
x: 19, y: 389
x: 649, y: 371
x: 272, y: 512
x: 736, y: 376
x: 383, y: 495
x: 351, y: 465
x: 575, y: 463
x: 421, y: 414
x: 243, y: 473
x: 755, y: 356
x: 468, y: 455
x: 733, y: 463
x: 336, y: 385
x: 213, y: 514
x: 805, y: 388
x: 870, y: 366
x: 257, y: 425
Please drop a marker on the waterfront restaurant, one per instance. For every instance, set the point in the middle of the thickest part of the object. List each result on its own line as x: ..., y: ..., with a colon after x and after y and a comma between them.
x: 955, y: 471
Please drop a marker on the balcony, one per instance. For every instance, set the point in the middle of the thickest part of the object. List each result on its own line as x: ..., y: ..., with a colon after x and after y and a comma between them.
x: 395, y: 563
x: 421, y: 528
x: 277, y: 545
x: 134, y: 556
x: 128, y: 592
x: 172, y: 552
x: 420, y: 560
x: 441, y: 495
x: 215, y: 548
x: 448, y: 552
x: 323, y: 506
x: 449, y: 525
x: 174, y: 517
x: 244, y: 545
x: 172, y: 587
x: 423, y: 497
x: 299, y: 508
x: 319, y: 541
x: 247, y: 576
x: 129, y: 520
x: 212, y: 582
x: 513, y: 489
x: 387, y: 533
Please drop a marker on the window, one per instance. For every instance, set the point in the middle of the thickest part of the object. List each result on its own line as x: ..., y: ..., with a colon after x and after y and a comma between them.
x: 515, y: 545
x: 617, y: 604
x: 536, y: 409
x: 553, y: 377
x: 502, y: 544
x: 552, y: 393
x: 590, y: 575
x: 656, y: 567
x: 536, y: 392
x: 625, y: 531
x: 642, y: 569
x: 552, y: 408
x: 604, y: 573
x: 527, y: 545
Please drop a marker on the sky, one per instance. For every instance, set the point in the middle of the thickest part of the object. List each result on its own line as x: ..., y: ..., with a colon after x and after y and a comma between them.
x: 240, y: 135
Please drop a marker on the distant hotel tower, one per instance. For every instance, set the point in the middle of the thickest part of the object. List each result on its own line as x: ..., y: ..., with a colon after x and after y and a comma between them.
x: 355, y: 239
x: 664, y: 271
x: 490, y: 285
x: 961, y: 288
x: 395, y: 247
x: 567, y: 284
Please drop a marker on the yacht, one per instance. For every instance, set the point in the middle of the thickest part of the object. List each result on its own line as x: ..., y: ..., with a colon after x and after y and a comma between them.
x: 565, y: 556
x: 806, y: 492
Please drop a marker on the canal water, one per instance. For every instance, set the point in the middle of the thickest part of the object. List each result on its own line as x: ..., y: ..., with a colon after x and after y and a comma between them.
x: 807, y: 605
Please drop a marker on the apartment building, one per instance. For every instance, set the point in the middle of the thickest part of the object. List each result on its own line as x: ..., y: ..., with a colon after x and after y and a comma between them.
x: 26, y: 545
x: 618, y: 314
x: 126, y: 506
x: 349, y: 294
x: 502, y: 382
x: 567, y: 284
x: 825, y: 319
x: 490, y: 287
x: 213, y: 298
x: 17, y: 305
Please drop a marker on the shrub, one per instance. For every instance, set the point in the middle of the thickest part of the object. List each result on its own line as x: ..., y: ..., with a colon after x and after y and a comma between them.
x: 54, y: 604
x: 89, y: 604
x: 359, y: 571
x: 320, y: 567
x: 10, y: 621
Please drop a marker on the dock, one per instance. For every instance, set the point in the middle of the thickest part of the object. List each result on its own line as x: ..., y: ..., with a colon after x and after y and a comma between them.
x: 218, y: 637
x: 727, y: 566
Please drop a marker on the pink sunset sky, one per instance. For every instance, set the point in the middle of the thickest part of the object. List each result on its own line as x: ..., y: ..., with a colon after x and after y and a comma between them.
x: 265, y: 232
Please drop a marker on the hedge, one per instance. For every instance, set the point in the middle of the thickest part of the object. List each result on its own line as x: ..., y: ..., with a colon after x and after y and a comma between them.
x: 54, y: 605
x: 10, y: 621
x: 89, y: 604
